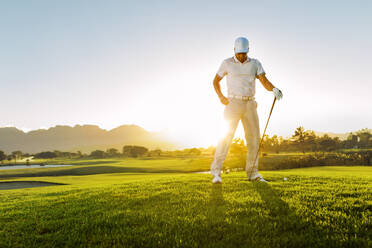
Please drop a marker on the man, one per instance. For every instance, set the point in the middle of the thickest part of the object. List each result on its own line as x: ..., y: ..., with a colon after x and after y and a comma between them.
x: 241, y: 72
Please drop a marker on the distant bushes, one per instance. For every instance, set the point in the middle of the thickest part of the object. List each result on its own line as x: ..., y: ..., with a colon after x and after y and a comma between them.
x: 307, y: 141
x: 45, y: 155
x: 362, y: 157
x: 97, y: 154
x: 134, y: 151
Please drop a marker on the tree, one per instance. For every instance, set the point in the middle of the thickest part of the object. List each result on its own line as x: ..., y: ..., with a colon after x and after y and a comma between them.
x: 310, y: 141
x: 127, y: 151
x: 58, y: 153
x: 285, y: 144
x: 45, y: 155
x: 156, y: 152
x: 351, y: 141
x: 2, y: 156
x: 112, y: 152
x: 238, y: 149
x: 364, y: 135
x: 266, y: 143
x: 337, y: 143
x: 299, y: 137
x: 97, y: 154
x: 275, y: 143
x: 15, y: 155
x: 326, y: 143
x: 305, y: 140
x: 134, y: 151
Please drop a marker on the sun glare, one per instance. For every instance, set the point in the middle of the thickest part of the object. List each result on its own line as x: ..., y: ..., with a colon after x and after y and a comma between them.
x: 214, y: 134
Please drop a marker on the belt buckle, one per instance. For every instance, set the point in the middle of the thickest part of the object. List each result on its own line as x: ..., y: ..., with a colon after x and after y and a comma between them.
x: 243, y: 98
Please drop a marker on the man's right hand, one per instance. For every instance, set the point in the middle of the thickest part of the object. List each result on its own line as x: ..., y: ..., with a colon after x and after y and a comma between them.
x: 224, y: 100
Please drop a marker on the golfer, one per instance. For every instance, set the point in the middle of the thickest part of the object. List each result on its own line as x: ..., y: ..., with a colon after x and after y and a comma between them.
x: 241, y: 72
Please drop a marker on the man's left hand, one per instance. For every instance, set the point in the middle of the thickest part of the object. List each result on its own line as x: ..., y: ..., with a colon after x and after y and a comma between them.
x: 277, y: 93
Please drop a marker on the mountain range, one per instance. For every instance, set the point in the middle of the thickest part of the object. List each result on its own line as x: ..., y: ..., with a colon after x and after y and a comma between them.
x: 84, y: 138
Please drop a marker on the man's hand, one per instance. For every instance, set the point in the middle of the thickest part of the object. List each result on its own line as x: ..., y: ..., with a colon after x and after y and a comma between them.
x: 269, y: 86
x: 277, y: 93
x: 224, y: 100
x: 216, y: 84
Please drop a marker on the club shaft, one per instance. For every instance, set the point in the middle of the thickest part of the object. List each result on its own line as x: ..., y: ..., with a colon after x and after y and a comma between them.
x: 263, y: 135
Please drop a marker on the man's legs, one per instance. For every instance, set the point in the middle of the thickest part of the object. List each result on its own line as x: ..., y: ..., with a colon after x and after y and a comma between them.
x: 223, y: 147
x: 251, y: 127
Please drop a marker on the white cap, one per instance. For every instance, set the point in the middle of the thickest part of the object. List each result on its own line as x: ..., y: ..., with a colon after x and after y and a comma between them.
x: 241, y: 45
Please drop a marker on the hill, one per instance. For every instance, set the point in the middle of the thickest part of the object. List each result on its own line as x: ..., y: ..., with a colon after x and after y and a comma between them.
x: 84, y: 138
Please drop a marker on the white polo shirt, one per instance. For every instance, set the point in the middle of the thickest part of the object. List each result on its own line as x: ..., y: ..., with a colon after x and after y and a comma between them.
x: 241, y: 77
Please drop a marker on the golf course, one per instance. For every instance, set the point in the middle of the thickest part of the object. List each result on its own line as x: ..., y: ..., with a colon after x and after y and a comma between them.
x: 185, y: 124
x: 164, y: 203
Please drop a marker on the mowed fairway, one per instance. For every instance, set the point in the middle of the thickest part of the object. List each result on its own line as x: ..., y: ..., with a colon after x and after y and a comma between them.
x: 315, y: 207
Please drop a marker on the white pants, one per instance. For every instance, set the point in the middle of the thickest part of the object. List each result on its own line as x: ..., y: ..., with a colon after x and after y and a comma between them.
x: 246, y: 111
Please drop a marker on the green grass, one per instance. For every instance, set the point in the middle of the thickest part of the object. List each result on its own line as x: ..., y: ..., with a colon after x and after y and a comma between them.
x: 104, y: 166
x: 316, y: 207
x: 120, y: 165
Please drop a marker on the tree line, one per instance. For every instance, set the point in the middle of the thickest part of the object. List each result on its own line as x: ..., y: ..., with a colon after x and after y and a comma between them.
x: 129, y: 151
x: 306, y: 141
x: 356, y: 149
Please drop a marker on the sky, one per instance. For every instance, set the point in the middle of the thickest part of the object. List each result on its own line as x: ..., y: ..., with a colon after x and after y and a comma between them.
x: 151, y: 63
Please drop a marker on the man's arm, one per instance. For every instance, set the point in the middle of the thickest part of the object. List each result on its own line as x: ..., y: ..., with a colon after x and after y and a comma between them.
x: 269, y: 86
x: 265, y: 82
x: 217, y: 88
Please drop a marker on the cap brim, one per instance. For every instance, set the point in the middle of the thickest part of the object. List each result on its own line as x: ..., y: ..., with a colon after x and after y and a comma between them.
x: 241, y: 51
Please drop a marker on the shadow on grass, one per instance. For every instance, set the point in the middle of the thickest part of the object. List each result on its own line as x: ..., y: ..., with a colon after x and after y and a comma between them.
x: 215, y: 214
x: 291, y: 229
x: 267, y: 223
x: 271, y: 199
x: 94, y: 162
x: 74, y: 162
x: 216, y: 203
x: 80, y: 171
x: 25, y: 184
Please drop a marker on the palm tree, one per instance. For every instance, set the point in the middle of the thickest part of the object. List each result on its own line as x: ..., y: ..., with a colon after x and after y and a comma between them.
x: 299, y: 137
x: 16, y: 154
x: 2, y: 156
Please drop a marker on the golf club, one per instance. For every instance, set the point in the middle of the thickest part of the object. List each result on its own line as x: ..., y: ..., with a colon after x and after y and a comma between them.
x: 259, y: 146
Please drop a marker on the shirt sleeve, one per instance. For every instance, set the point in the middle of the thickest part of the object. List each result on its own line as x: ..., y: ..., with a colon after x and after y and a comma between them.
x: 260, y: 69
x: 222, y: 70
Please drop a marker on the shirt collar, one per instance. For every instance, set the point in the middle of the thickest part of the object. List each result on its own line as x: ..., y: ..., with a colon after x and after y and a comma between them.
x: 247, y: 60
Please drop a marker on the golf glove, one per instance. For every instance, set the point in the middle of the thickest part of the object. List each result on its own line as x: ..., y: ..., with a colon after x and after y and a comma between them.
x: 277, y: 93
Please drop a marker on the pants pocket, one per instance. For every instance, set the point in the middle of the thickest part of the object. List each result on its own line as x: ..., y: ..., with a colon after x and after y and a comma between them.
x: 231, y: 110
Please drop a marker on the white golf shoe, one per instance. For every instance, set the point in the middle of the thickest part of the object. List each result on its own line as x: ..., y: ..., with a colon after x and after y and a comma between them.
x: 260, y: 179
x: 217, y: 179
x: 257, y: 177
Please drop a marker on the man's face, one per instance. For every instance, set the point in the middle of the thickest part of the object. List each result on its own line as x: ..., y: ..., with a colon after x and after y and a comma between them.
x: 241, y: 57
